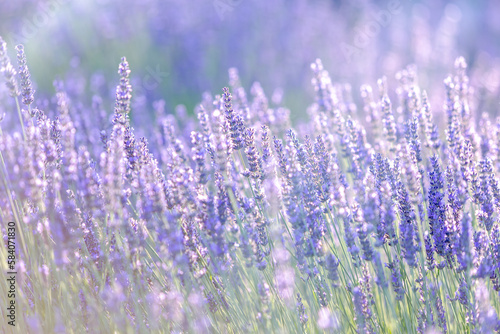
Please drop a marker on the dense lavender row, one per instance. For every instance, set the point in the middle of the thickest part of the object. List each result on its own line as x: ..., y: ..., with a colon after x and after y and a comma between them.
x: 237, y: 223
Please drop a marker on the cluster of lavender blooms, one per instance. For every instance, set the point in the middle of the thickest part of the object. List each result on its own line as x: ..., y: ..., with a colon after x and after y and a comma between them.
x: 236, y: 222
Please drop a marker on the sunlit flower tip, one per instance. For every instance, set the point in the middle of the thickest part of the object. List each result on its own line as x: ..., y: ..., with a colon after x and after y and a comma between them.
x: 382, y: 86
x: 124, y: 69
x: 460, y: 64
x: 8, y: 70
x: 26, y: 86
x: 388, y: 119
x: 123, y: 92
x: 317, y: 65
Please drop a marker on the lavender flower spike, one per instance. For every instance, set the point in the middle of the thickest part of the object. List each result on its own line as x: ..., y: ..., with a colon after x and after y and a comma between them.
x: 8, y: 70
x: 235, y: 121
x: 26, y: 88
x: 123, y: 93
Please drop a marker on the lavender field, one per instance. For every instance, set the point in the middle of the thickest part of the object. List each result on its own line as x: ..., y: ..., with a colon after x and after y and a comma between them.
x: 250, y: 167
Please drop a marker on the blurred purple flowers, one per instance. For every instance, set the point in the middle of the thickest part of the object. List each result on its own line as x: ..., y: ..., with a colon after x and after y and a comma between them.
x: 239, y: 222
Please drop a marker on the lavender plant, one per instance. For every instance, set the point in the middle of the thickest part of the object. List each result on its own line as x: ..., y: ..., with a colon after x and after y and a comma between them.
x: 364, y: 219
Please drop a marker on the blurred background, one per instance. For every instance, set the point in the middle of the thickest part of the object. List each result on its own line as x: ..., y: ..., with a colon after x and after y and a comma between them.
x: 179, y: 49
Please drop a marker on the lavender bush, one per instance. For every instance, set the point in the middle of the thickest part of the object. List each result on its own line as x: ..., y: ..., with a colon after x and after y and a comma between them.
x: 377, y: 217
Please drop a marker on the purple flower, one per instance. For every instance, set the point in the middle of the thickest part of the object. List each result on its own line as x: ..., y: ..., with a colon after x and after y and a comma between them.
x: 388, y: 119
x: 361, y: 309
x: 301, y: 310
x: 485, y: 198
x: 355, y: 149
x: 349, y: 237
x: 8, y: 70
x: 396, y: 282
x: 199, y: 154
x: 379, y: 270
x: 363, y: 233
x: 26, y: 88
x: 436, y: 208
x: 331, y: 266
x: 281, y: 157
x: 123, y: 94
x: 429, y: 250
x: 323, y: 86
x: 438, y: 303
x: 464, y: 257
x: 462, y: 294
x: 324, y: 168
x: 129, y: 142
x: 431, y: 130
x: 254, y: 160
x: 411, y: 129
x: 266, y: 145
x: 407, y: 226
x: 234, y: 120
x: 384, y: 227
